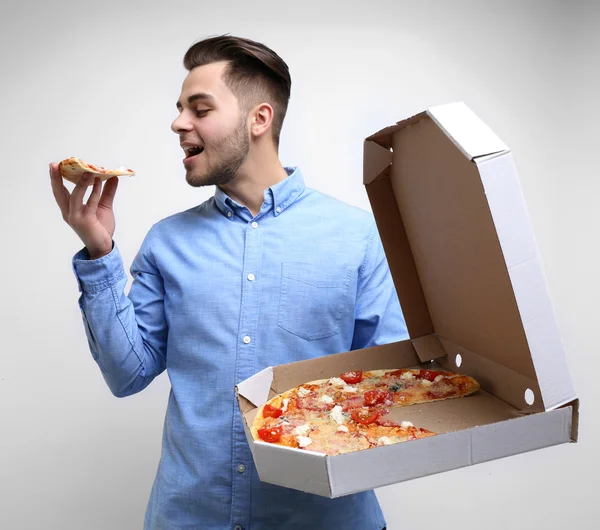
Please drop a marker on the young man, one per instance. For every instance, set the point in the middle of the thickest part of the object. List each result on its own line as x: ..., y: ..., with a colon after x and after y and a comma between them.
x: 265, y: 272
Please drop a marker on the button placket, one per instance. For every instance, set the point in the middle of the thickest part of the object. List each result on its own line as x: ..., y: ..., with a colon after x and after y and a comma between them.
x: 244, y: 368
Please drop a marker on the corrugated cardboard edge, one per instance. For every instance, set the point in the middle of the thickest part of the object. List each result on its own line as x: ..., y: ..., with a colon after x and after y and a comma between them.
x: 575, y: 420
x: 384, y: 136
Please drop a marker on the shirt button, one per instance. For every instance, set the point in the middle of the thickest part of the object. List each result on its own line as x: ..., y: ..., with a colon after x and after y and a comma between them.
x: 238, y: 527
x: 278, y: 209
x: 246, y: 339
x: 251, y: 277
x: 254, y: 224
x: 241, y: 468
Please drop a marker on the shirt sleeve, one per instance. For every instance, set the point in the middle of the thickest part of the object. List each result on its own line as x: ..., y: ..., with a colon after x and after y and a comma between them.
x: 127, y: 334
x: 378, y: 316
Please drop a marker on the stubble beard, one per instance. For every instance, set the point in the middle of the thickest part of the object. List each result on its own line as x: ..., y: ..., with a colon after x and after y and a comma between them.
x: 234, y: 150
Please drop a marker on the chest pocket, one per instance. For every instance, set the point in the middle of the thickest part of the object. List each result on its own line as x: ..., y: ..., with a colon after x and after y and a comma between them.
x: 313, y: 299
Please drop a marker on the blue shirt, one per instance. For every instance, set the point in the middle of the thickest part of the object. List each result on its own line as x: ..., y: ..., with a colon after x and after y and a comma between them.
x: 217, y: 295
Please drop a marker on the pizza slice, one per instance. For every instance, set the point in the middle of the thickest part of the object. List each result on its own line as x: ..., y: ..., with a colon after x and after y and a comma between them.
x: 72, y: 169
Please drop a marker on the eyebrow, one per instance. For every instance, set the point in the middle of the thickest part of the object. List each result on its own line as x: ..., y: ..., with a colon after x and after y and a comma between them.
x: 195, y: 97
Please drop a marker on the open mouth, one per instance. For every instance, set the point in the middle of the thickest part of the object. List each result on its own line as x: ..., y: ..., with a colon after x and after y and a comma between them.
x: 191, y: 153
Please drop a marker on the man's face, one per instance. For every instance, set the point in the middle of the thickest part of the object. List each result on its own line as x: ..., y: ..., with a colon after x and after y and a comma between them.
x: 211, y: 127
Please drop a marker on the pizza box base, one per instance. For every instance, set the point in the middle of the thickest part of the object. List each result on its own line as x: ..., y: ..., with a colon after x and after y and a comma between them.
x: 470, y: 430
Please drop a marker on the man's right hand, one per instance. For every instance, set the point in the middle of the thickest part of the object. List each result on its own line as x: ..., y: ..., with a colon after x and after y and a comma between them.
x: 93, y: 222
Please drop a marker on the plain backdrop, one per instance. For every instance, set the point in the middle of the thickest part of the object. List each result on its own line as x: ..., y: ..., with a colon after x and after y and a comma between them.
x: 100, y: 81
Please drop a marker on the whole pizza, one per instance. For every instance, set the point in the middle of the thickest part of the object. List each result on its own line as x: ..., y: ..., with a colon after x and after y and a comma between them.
x: 348, y: 413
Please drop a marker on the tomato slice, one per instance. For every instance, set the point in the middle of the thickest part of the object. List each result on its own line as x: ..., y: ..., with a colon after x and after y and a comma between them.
x: 270, y: 434
x: 364, y: 416
x: 371, y: 397
x: 352, y: 377
x: 430, y: 375
x: 374, y: 397
x: 269, y: 411
x: 395, y: 373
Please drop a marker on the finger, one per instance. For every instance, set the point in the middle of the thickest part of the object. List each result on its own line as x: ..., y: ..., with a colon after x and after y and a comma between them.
x: 92, y: 202
x: 79, y: 190
x: 108, y: 194
x: 60, y: 192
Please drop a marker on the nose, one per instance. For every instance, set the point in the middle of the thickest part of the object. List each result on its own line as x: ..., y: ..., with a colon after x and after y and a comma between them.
x: 181, y: 123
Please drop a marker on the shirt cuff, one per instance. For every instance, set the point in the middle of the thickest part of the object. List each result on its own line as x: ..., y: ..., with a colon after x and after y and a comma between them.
x: 94, y: 275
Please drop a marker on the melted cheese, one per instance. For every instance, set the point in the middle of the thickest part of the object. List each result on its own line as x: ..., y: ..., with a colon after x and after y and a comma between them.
x: 336, y: 381
x: 302, y: 430
x: 337, y: 415
x: 406, y: 424
x: 407, y: 375
x: 326, y: 399
x: 303, y: 441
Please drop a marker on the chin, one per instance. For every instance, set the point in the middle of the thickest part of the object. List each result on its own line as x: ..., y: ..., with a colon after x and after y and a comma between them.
x: 197, y: 181
x: 211, y: 179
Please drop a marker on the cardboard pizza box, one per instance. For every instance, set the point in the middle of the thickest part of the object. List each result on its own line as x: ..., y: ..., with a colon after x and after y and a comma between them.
x: 449, y: 208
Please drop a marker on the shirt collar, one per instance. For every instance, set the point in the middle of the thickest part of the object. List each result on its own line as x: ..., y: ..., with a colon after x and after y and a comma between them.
x: 278, y: 197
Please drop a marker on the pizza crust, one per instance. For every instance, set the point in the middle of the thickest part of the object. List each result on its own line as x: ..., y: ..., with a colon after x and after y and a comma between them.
x: 276, y: 401
x: 72, y: 169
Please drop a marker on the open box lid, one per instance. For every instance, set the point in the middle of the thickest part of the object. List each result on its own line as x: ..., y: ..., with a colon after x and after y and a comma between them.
x: 449, y: 208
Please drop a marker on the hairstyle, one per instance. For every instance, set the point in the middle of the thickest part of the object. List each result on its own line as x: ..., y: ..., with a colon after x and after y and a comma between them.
x: 254, y: 74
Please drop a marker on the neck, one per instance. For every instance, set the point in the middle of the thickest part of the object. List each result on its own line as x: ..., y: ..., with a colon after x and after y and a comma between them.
x: 253, y: 178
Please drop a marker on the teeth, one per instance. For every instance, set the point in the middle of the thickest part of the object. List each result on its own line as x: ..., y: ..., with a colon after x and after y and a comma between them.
x: 189, y: 150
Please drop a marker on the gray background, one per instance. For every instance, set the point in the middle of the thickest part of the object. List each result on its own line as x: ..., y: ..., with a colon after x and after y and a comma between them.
x: 100, y: 81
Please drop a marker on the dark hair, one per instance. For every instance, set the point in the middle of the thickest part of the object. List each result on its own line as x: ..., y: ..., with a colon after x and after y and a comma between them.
x: 254, y: 74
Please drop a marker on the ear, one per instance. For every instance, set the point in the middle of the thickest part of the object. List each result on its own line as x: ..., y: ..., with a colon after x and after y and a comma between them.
x: 261, y: 119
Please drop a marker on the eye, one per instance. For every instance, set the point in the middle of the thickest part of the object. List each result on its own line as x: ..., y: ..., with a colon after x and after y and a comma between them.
x: 200, y: 113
